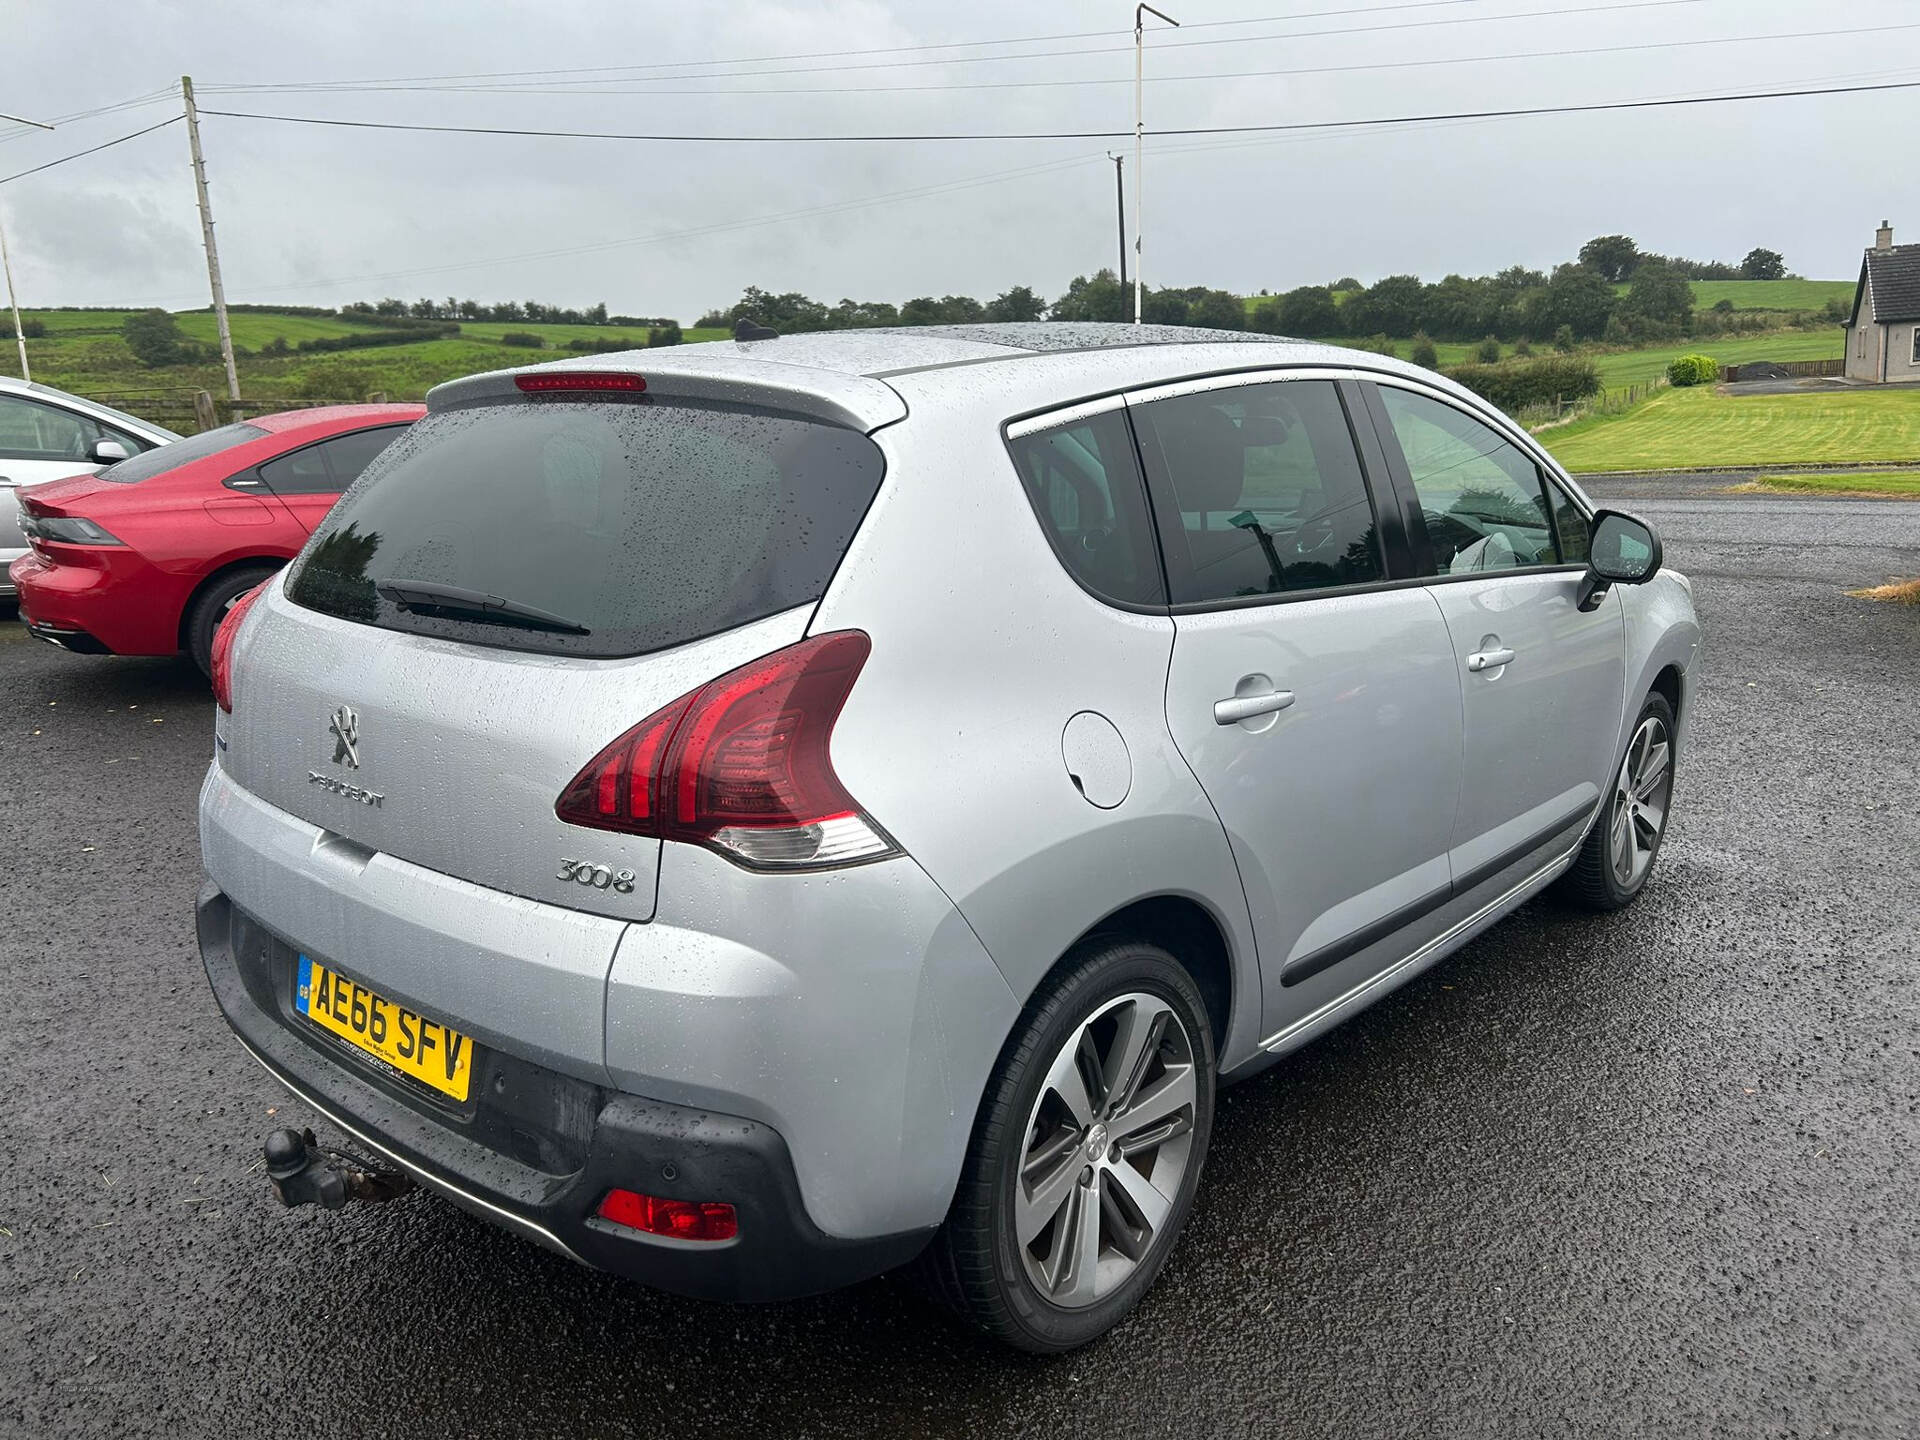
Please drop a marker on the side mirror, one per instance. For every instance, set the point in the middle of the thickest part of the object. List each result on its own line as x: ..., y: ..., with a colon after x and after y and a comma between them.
x: 107, y: 452
x: 1620, y: 551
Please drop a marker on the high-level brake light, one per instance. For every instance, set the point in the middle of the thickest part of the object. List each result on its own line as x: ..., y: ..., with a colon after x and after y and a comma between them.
x: 540, y: 381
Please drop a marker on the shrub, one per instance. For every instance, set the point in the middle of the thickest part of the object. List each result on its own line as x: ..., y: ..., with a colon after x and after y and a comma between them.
x: 34, y: 329
x: 155, y: 339
x: 1423, y: 352
x: 1523, y: 348
x: 1724, y: 307
x: 668, y: 334
x: 525, y: 340
x: 601, y: 347
x: 1563, y: 339
x: 1488, y: 352
x: 1517, y: 384
x: 1837, y: 309
x: 1693, y: 370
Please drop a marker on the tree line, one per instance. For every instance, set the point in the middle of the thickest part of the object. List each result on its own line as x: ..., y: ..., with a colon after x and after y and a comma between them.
x: 1577, y: 301
x: 535, y: 311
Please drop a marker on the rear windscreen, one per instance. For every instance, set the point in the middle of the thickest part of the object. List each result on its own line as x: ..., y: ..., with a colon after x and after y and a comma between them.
x: 600, y: 528
x: 158, y: 461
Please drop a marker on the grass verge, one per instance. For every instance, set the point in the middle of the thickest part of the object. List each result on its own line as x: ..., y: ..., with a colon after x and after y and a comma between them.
x: 1899, y: 484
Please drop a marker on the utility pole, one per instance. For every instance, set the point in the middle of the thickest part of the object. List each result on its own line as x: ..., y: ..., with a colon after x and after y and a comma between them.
x: 206, y: 230
x: 1140, y: 13
x: 19, y: 333
x: 6, y: 263
x: 1120, y: 199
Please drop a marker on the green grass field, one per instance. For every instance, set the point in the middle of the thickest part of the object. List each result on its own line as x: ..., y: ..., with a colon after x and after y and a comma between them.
x: 1637, y: 367
x: 83, y: 352
x: 1771, y: 294
x: 1701, y: 427
x: 1902, y: 483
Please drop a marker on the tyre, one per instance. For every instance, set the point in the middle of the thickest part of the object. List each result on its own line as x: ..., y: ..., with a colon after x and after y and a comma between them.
x: 1618, y: 855
x: 210, y: 608
x: 1086, y: 1154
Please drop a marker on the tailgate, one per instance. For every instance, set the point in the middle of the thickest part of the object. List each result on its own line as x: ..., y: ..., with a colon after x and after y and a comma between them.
x: 454, y: 754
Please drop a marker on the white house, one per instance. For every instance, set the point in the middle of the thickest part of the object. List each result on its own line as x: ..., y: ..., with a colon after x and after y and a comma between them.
x: 1883, y: 337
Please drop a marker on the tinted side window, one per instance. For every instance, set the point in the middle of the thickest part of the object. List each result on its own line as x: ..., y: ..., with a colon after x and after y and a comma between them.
x: 1480, y: 496
x: 304, y: 472
x: 1258, y: 491
x: 1572, y: 524
x: 348, y: 455
x: 31, y: 431
x: 1085, y: 487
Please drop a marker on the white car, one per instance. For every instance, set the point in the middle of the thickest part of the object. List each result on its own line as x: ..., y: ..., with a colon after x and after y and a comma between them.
x: 47, y: 434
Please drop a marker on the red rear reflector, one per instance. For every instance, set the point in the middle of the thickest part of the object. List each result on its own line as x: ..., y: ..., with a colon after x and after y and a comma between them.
x: 677, y: 1219
x: 543, y: 380
x: 223, y: 646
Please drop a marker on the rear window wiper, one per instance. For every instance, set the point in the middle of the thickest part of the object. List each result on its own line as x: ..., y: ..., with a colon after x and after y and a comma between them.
x: 430, y: 597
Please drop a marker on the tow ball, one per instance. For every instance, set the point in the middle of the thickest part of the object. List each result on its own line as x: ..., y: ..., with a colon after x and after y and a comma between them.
x: 304, y: 1174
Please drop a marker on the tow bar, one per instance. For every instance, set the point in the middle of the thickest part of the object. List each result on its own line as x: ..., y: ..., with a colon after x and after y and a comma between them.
x: 304, y: 1174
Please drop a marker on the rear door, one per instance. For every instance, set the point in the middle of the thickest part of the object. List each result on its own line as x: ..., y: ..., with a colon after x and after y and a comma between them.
x: 307, y: 481
x: 1317, y: 703
x: 672, y: 540
x: 1541, y: 680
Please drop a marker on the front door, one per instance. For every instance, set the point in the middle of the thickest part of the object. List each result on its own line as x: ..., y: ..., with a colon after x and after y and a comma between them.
x: 1320, y: 712
x: 1541, y: 679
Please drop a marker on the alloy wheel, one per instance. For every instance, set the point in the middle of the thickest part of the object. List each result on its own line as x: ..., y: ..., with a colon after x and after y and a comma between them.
x: 1642, y: 793
x: 1107, y: 1148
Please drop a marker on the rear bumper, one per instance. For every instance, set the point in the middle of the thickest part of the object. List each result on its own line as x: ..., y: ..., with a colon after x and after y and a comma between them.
x: 577, y: 1141
x: 117, y: 604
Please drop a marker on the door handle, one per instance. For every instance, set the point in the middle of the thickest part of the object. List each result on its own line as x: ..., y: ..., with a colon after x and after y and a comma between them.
x: 1244, y: 707
x: 1489, y: 659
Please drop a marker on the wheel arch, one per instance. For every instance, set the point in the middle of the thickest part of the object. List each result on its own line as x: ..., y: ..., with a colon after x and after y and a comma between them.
x: 1188, y: 930
x: 214, y: 577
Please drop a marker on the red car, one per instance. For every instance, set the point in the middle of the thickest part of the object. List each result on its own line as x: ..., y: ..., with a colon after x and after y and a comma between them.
x: 145, y: 557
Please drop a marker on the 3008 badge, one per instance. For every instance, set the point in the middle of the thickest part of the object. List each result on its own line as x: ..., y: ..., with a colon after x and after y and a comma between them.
x: 600, y: 877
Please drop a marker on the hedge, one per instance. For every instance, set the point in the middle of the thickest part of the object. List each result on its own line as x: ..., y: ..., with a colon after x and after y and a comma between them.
x: 1516, y: 384
x: 396, y: 336
x: 1693, y: 370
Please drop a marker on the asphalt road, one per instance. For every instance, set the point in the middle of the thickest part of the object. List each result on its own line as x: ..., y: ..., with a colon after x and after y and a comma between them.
x: 1653, y: 1174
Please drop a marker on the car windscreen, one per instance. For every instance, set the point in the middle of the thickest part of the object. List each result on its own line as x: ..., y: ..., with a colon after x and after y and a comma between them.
x: 149, y: 463
x: 606, y: 527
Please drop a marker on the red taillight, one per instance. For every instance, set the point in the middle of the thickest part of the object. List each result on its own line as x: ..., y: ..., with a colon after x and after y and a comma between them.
x: 741, y: 765
x: 538, y: 381
x: 223, y: 646
x: 677, y: 1219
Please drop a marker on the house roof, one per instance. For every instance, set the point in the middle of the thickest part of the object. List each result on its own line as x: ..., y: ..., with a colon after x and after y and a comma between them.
x: 1891, y: 280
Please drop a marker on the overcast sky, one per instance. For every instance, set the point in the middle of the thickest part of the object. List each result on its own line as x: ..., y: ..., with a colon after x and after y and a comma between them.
x: 313, y: 215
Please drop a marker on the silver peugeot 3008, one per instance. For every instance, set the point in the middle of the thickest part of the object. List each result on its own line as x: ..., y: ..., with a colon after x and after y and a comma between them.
x: 748, y: 815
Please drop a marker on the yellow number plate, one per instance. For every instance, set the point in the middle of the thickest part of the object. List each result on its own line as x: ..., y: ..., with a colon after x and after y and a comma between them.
x: 421, y: 1049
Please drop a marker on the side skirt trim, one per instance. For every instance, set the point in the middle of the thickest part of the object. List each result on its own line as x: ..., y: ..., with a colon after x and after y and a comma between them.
x: 1356, y: 996
x: 1331, y: 954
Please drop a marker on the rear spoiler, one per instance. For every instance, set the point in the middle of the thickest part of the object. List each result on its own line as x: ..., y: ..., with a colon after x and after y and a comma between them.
x: 857, y: 402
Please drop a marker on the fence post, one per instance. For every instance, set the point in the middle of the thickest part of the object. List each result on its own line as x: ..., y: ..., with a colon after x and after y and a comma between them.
x: 203, y: 415
x: 378, y: 397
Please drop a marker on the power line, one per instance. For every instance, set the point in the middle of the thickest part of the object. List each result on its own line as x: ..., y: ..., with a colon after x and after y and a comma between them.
x: 1239, y: 74
x: 21, y: 175
x: 1518, y: 112
x: 150, y: 98
x: 1590, y: 9
x: 841, y: 54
